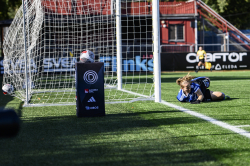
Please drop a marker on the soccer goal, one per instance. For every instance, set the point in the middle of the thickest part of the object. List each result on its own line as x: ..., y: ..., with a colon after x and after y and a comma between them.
x: 46, y: 38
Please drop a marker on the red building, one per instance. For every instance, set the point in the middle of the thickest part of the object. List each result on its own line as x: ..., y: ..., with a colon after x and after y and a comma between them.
x: 178, y: 21
x: 177, y: 18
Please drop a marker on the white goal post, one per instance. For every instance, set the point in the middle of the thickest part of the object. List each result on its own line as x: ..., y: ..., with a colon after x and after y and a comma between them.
x: 46, y: 38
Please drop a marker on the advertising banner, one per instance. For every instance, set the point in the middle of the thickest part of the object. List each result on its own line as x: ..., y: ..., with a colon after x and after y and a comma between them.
x: 50, y: 64
x: 134, y: 62
x: 219, y: 61
x: 90, y: 89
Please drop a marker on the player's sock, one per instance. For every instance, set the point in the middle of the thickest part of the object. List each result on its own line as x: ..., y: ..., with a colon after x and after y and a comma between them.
x: 226, y: 97
x: 211, y: 69
x: 197, y: 69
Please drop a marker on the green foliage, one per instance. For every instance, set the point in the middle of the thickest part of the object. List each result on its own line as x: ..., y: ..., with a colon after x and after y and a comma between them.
x: 217, y: 5
x: 8, y: 8
x: 235, y: 11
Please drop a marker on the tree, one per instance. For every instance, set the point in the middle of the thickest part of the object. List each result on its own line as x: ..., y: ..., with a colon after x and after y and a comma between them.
x: 237, y: 12
x: 8, y: 8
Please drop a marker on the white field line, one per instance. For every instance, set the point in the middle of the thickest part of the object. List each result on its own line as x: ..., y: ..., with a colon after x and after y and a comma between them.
x: 211, y: 120
x: 134, y: 93
x: 243, y: 126
x: 201, y: 116
x: 198, y: 115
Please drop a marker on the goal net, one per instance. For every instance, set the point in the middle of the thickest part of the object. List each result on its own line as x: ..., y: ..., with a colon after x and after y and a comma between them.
x: 49, y: 36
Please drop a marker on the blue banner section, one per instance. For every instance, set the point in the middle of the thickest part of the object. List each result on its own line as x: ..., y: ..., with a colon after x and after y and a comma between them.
x: 90, y: 89
x: 130, y: 62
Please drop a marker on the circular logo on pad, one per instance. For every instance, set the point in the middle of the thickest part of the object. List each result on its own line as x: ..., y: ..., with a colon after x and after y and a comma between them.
x: 90, y: 77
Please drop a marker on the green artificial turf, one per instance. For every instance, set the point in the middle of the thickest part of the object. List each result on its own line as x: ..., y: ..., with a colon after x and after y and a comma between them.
x: 139, y: 133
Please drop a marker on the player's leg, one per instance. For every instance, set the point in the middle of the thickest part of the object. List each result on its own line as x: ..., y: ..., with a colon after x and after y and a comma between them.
x: 207, y: 95
x: 199, y: 64
x: 203, y: 63
x: 218, y: 95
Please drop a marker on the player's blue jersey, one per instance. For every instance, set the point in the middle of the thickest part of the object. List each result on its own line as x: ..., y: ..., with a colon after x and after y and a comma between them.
x: 191, y: 96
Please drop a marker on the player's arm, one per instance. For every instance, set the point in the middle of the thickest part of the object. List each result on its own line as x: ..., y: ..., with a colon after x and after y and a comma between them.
x: 200, y: 97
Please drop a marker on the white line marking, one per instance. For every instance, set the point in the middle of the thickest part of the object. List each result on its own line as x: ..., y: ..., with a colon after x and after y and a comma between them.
x: 211, y: 120
x: 201, y: 116
x: 134, y: 93
x: 243, y: 126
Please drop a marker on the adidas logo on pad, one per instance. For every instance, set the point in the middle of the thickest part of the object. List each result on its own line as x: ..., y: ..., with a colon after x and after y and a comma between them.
x: 91, y: 100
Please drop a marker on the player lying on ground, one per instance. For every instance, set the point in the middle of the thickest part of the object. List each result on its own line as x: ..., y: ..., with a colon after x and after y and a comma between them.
x: 196, y: 90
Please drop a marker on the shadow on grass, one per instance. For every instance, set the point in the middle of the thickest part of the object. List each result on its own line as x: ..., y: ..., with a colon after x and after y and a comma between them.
x: 227, y: 100
x: 236, y: 98
x: 206, y: 102
x: 115, y: 139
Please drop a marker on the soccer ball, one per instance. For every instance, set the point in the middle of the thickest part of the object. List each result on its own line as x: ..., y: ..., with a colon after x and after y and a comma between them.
x: 8, y: 89
x: 87, y: 57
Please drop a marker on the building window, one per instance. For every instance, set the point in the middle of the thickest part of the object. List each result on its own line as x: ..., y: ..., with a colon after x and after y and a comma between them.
x: 176, y: 32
